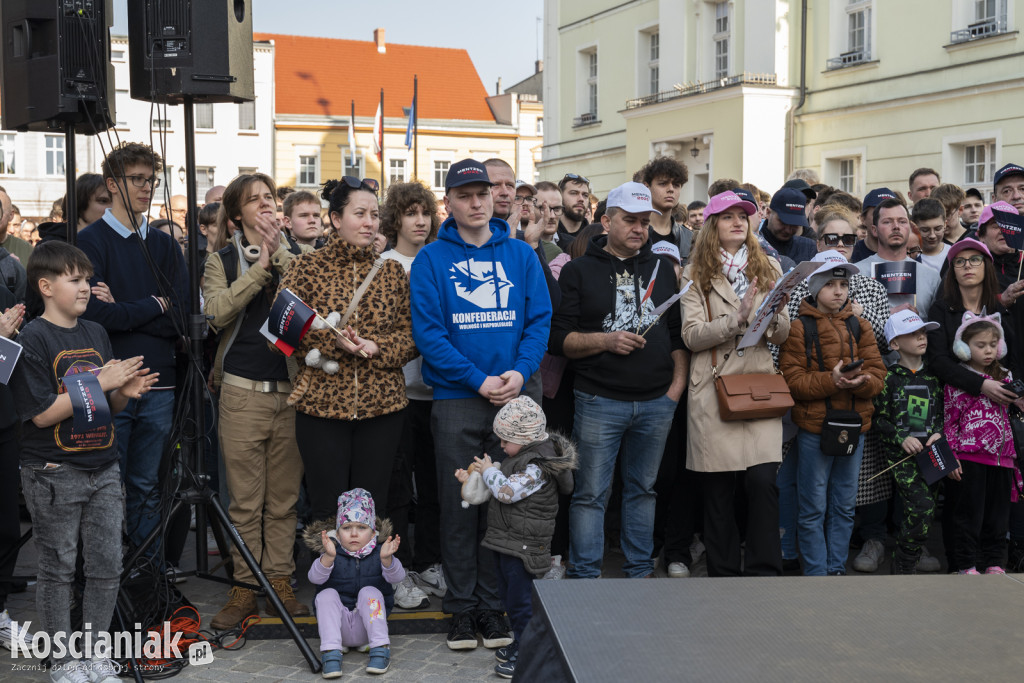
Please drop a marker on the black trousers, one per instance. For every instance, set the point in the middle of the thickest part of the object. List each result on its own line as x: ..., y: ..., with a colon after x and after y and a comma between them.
x: 982, y: 515
x: 415, y: 462
x: 757, y: 487
x: 10, y: 526
x: 339, y: 455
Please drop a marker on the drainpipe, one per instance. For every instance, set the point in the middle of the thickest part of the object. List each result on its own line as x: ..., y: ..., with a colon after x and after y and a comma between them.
x: 803, y: 85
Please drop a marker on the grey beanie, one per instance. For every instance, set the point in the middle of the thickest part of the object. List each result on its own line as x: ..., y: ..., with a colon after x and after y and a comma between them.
x: 816, y: 282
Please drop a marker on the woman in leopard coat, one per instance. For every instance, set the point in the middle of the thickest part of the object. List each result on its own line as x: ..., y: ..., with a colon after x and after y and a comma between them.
x: 350, y: 391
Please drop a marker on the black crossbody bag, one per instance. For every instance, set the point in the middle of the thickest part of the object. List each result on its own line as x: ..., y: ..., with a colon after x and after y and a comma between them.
x: 840, y: 432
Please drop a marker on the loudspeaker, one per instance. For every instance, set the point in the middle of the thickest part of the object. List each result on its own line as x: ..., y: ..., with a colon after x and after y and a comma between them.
x: 55, y: 65
x: 196, y: 48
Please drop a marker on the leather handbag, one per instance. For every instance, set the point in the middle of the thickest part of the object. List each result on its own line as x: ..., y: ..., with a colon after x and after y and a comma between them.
x: 749, y: 397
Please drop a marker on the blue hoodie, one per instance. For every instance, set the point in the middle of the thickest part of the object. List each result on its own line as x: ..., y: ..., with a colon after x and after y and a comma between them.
x: 478, y: 311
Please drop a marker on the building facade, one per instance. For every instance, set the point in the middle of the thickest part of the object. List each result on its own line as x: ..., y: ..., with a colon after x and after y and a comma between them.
x: 315, y: 101
x: 859, y: 90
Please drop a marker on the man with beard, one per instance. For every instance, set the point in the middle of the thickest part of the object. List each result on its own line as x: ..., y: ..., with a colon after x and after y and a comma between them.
x: 575, y: 191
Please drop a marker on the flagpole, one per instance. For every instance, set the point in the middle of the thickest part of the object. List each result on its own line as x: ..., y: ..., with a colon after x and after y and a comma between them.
x: 352, y: 147
x: 382, y: 142
x: 416, y: 130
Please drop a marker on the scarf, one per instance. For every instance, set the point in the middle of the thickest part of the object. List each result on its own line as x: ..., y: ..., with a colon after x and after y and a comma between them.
x: 733, y: 266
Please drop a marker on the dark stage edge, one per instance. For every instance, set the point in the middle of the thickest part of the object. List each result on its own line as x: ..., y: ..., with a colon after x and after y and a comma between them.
x: 899, y: 628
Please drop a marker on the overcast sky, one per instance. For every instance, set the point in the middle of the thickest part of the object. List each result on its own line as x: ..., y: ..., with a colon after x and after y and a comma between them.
x: 501, y: 43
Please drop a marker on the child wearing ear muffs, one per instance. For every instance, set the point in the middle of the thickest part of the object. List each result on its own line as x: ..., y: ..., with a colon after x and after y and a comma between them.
x: 978, y: 430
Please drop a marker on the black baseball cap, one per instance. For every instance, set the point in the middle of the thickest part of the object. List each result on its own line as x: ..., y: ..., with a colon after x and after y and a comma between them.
x: 790, y: 206
x: 465, y: 172
x: 745, y: 195
x: 1008, y: 170
x: 801, y: 184
x: 877, y: 196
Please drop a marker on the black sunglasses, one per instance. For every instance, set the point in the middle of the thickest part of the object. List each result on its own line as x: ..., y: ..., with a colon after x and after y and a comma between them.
x: 833, y: 239
x: 577, y: 178
x: 356, y: 183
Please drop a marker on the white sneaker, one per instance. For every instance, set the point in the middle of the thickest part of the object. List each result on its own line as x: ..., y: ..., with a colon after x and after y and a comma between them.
x: 432, y: 580
x: 678, y: 570
x: 870, y: 556
x: 71, y: 671
x: 408, y: 596
x: 9, y: 639
x: 102, y: 670
x: 557, y: 571
x: 927, y: 562
x: 211, y: 543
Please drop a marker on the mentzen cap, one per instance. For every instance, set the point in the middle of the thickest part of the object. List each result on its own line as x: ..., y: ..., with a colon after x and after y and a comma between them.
x: 465, y: 172
x: 725, y: 201
x: 905, y: 322
x: 987, y: 215
x: 631, y: 198
x: 877, y: 196
x: 801, y: 184
x: 963, y: 245
x: 790, y: 206
x: 1008, y: 170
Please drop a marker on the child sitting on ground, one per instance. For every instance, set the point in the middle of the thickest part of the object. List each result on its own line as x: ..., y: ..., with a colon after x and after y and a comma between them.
x: 908, y: 414
x: 521, y: 515
x: 356, y: 572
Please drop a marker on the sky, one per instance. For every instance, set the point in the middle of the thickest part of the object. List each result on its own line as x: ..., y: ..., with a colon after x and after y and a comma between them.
x: 501, y: 44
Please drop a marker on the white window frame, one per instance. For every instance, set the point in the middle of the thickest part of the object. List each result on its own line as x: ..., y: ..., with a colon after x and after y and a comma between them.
x: 721, y: 38
x: 301, y: 168
x: 832, y: 168
x: 654, y: 61
x: 592, y: 75
x: 52, y: 154
x: 954, y: 158
x: 846, y: 49
x: 404, y: 177
x: 979, y: 163
x: 847, y: 175
x: 205, y: 179
x: 347, y: 168
x: 974, y: 19
x: 241, y: 109
x: 9, y: 157
x: 204, y: 107
x: 435, y: 170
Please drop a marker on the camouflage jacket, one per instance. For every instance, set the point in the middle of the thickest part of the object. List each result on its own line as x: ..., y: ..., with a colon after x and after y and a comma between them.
x: 910, y: 405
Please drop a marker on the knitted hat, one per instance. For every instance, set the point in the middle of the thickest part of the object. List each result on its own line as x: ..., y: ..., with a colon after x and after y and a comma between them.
x: 521, y: 421
x: 827, y: 273
x: 356, y: 506
x: 961, y: 349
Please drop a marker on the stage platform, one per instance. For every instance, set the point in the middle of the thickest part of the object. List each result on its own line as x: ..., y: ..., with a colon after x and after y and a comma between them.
x: 898, y: 628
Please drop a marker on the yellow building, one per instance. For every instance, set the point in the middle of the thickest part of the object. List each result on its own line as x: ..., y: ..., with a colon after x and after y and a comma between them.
x: 869, y: 92
x: 319, y: 79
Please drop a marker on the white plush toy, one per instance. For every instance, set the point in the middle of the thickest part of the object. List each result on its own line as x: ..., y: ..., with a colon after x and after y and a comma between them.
x: 474, y: 490
x: 314, y: 358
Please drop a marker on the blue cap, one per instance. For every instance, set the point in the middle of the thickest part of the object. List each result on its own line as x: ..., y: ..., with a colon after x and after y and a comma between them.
x: 790, y: 206
x: 876, y: 197
x: 465, y: 172
x: 801, y: 184
x: 1009, y: 169
x: 745, y: 195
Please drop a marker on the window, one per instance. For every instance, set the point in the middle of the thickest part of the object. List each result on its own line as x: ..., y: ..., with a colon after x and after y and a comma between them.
x: 247, y: 115
x: 653, y: 61
x: 979, y: 163
x: 847, y: 175
x: 540, y: 126
x: 309, y: 169
x: 984, y: 10
x: 7, y: 141
x: 204, y: 179
x: 721, y: 39
x: 354, y: 171
x: 858, y: 31
x: 117, y: 55
x: 980, y: 19
x: 204, y: 115
x: 440, y: 173
x: 54, y: 155
x: 396, y: 171
x: 161, y: 124
x: 592, y: 83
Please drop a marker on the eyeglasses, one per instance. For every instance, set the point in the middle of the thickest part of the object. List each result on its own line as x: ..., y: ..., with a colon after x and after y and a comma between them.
x: 914, y: 251
x: 525, y: 199
x: 975, y: 261
x: 356, y: 183
x: 557, y: 210
x: 575, y: 178
x: 142, y: 181
x: 832, y: 239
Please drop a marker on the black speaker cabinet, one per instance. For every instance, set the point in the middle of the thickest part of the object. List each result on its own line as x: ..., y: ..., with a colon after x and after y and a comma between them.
x: 190, y: 48
x: 55, y: 65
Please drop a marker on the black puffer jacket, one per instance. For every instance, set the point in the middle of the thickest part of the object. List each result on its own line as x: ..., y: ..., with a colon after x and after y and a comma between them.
x: 946, y: 366
x: 524, y: 529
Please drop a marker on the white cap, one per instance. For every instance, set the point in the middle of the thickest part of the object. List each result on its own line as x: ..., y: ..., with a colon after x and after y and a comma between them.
x: 830, y: 256
x: 664, y: 248
x: 905, y: 322
x: 832, y: 260
x: 631, y: 198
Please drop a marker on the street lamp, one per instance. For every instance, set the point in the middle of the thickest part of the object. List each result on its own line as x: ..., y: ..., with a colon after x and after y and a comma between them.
x: 181, y: 172
x: 694, y: 152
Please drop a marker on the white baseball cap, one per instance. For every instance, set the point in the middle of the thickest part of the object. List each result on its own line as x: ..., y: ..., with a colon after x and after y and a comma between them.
x: 905, y: 322
x: 668, y: 249
x: 632, y: 198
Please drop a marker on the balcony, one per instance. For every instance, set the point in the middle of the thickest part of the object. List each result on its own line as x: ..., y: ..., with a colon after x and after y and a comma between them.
x: 689, y: 89
x: 848, y: 59
x: 587, y: 119
x: 981, y: 29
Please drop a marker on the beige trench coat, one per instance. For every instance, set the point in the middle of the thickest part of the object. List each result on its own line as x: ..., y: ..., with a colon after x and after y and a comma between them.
x: 713, y: 445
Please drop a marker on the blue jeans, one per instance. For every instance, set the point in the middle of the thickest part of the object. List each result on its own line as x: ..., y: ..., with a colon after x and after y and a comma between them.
x: 515, y: 585
x: 827, y: 491
x: 142, y: 429
x: 786, y: 481
x: 603, y: 428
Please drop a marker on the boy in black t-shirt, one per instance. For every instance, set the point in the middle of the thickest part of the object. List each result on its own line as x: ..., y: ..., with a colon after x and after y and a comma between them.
x: 70, y: 477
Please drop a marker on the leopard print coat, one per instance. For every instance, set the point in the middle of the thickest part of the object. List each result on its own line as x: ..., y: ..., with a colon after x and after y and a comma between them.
x: 326, y: 280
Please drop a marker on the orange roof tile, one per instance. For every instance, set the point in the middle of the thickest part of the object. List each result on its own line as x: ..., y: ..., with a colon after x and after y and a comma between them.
x: 323, y: 75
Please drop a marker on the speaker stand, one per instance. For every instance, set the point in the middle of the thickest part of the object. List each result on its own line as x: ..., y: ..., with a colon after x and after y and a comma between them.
x: 70, y: 203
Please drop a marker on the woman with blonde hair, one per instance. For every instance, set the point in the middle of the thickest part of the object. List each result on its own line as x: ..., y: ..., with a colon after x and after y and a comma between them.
x: 730, y: 275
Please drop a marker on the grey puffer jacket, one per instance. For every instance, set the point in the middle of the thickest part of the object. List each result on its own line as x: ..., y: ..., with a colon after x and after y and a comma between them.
x: 524, y: 529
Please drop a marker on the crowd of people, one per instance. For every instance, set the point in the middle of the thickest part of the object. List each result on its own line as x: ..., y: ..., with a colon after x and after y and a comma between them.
x: 573, y: 355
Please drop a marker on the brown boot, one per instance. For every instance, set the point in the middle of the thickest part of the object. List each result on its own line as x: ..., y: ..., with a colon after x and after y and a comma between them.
x: 241, y: 604
x: 283, y: 587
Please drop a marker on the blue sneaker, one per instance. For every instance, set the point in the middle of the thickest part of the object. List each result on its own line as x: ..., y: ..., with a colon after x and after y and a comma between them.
x: 331, y: 660
x: 380, y: 660
x: 503, y: 654
x: 507, y: 669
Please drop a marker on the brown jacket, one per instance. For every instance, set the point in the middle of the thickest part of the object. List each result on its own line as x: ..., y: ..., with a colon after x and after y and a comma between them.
x: 326, y: 280
x: 810, y: 386
x: 714, y: 445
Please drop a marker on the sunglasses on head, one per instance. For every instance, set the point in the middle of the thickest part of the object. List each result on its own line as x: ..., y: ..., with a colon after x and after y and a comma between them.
x: 834, y: 239
x: 356, y: 183
x: 576, y: 178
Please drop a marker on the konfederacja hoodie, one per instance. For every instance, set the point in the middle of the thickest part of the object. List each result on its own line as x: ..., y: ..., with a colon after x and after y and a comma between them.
x: 478, y: 311
x: 603, y: 293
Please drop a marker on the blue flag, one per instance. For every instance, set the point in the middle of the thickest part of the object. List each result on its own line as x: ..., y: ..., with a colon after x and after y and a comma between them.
x: 89, y: 407
x: 412, y: 121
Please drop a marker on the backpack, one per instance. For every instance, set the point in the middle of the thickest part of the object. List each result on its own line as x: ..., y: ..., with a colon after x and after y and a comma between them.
x: 8, y: 270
